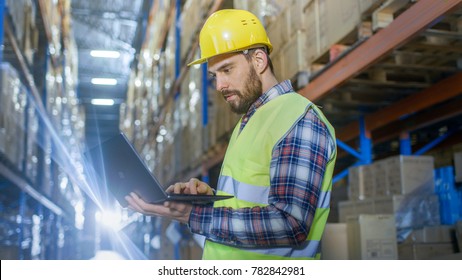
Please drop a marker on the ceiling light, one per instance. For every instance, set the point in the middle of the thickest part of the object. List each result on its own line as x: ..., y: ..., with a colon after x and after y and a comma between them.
x: 104, y: 81
x: 102, y: 102
x: 105, y: 54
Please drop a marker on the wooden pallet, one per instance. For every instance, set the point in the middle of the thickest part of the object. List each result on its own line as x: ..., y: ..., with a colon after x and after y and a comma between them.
x: 388, y: 11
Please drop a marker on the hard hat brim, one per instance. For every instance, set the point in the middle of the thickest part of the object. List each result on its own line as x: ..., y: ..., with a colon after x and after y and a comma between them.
x: 204, y: 59
x: 197, y: 61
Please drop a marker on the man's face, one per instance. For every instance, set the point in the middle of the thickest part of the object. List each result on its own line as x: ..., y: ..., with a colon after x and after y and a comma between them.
x: 237, y: 80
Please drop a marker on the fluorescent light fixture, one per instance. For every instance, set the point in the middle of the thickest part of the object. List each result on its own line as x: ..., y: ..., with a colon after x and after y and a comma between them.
x: 105, y: 54
x: 102, y: 102
x: 104, y: 81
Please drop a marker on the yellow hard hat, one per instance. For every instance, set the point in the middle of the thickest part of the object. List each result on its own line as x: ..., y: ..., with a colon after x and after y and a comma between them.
x: 230, y: 30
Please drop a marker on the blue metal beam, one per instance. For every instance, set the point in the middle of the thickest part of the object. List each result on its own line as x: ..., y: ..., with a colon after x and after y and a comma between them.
x: 349, y: 149
x: 365, y: 154
x: 365, y: 142
x: 433, y: 144
x: 343, y: 173
x: 340, y: 176
x: 405, y: 144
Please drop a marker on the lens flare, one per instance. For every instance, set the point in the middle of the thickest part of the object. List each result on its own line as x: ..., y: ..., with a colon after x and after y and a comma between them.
x: 78, y: 175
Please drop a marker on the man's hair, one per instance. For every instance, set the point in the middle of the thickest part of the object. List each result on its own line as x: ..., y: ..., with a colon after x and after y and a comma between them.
x: 248, y: 55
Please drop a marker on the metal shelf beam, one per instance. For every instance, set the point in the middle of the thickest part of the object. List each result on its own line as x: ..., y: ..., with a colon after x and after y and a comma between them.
x: 40, y: 107
x: 410, y: 23
x: 24, y: 186
x: 439, y: 92
x: 415, y: 122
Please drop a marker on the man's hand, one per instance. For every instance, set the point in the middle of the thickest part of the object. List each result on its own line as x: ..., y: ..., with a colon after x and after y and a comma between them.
x: 173, y: 210
x: 194, y: 186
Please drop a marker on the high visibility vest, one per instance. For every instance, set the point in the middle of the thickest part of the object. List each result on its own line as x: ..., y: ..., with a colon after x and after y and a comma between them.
x: 245, y: 174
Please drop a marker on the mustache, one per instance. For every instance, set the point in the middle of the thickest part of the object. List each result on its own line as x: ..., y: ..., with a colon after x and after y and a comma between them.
x: 230, y: 92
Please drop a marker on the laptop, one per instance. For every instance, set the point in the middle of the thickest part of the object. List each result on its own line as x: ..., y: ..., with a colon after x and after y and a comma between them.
x: 117, y: 161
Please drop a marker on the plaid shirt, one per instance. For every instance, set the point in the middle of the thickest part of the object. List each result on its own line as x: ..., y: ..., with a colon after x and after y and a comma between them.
x: 297, y: 169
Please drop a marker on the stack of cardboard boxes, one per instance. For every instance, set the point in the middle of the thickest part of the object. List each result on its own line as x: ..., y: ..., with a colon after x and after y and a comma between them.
x: 389, y: 202
x: 429, y: 243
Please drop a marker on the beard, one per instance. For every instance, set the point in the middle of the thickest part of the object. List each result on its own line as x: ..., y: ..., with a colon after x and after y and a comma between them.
x: 252, y: 91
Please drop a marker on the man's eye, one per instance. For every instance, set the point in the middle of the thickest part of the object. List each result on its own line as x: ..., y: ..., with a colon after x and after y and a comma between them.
x: 212, y: 79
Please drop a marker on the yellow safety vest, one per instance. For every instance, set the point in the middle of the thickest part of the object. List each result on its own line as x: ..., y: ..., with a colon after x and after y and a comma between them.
x: 245, y: 173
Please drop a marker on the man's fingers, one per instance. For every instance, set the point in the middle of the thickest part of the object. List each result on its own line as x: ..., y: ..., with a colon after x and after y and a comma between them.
x: 179, y: 187
x: 174, y: 210
x: 146, y: 208
x: 202, y: 189
x: 170, y: 188
x: 176, y: 207
x: 196, y: 186
x: 132, y: 203
x: 176, y: 188
x: 192, y: 185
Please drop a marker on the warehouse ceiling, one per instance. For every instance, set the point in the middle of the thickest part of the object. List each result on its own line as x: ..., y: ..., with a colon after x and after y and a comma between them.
x: 113, y: 25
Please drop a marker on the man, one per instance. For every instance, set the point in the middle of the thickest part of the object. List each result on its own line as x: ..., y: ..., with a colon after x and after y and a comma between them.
x: 279, y: 160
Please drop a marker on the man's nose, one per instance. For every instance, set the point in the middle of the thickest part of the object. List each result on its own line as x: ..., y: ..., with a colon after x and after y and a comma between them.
x: 221, y: 84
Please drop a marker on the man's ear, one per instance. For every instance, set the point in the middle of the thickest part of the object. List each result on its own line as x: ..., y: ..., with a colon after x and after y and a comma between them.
x: 260, y: 61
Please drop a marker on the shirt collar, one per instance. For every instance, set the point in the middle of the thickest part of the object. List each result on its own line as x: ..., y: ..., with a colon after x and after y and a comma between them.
x: 277, y: 90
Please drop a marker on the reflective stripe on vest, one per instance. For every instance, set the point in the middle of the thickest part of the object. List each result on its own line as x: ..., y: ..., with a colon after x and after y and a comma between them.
x: 258, y: 194
x: 245, y: 174
x: 243, y: 191
x: 307, y: 249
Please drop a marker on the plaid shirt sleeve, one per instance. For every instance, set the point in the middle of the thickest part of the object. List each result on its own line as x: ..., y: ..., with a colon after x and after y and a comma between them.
x: 297, y: 170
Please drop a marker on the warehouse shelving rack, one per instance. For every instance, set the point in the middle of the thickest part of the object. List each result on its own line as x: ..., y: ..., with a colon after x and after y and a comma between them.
x: 56, y: 219
x: 215, y: 156
x: 398, y: 118
x: 416, y: 20
x: 424, y: 104
x: 180, y: 71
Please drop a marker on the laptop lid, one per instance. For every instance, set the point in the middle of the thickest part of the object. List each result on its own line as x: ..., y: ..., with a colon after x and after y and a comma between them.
x: 118, y: 164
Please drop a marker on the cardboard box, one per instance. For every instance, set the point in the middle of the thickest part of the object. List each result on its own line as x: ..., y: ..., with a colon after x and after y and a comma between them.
x: 424, y: 251
x: 313, y: 31
x: 433, y: 234
x: 361, y: 182
x: 295, y: 53
x: 278, y: 61
x: 366, y: 7
x: 366, y: 206
x: 408, y: 173
x: 342, y: 18
x: 372, y: 237
x: 326, y: 23
x: 297, y: 19
x: 409, y: 211
x: 345, y: 209
x: 380, y: 174
x: 388, y: 204
x: 278, y: 30
x: 334, y: 242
